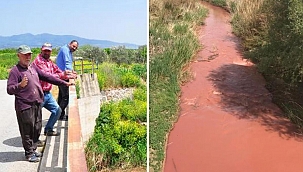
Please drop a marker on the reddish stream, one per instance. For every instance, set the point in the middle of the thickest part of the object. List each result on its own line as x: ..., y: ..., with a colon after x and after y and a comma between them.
x: 227, y: 120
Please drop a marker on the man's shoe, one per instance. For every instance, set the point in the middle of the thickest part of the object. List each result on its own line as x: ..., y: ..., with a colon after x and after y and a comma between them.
x: 51, y: 133
x: 40, y: 143
x: 33, y: 158
x: 38, y: 154
x: 63, y: 118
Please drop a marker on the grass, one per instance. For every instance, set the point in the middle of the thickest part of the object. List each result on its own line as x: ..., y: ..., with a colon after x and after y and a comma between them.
x: 85, y: 66
x: 288, y: 97
x: 271, y: 33
x: 9, y: 58
x: 7, y: 61
x: 173, y: 42
x: 251, y: 21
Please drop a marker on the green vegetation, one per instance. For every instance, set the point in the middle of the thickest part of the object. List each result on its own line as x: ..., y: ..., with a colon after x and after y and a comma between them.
x: 119, y: 140
x: 111, y: 75
x: 119, y: 55
x: 85, y: 66
x: 120, y: 137
x: 96, y: 55
x: 272, y: 37
x: 77, y: 85
x: 8, y: 58
x: 173, y: 43
x: 271, y: 33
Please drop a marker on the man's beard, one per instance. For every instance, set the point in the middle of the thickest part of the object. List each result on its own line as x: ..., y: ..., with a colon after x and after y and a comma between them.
x: 45, y: 56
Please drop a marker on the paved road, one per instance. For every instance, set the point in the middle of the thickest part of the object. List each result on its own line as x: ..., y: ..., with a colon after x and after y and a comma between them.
x: 55, y: 152
x: 11, y: 151
x: 12, y: 157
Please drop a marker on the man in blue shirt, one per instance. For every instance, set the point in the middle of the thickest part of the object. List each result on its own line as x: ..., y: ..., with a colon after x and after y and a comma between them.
x: 64, y: 61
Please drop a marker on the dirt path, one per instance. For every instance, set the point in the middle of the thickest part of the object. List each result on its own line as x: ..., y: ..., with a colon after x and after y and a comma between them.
x: 227, y: 120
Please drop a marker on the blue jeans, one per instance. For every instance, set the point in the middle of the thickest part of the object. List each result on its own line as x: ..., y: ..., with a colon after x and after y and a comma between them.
x: 51, y: 105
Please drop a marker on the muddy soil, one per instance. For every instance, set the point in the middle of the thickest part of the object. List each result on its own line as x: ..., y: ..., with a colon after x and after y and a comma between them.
x: 227, y: 119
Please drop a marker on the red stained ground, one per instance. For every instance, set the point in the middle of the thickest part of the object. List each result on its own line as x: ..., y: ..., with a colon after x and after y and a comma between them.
x: 227, y: 120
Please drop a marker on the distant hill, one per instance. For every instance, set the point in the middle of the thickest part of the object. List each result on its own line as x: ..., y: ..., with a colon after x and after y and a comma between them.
x: 56, y: 40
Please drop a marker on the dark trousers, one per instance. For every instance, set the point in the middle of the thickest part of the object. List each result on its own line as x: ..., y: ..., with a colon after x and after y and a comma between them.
x: 30, y: 125
x: 63, y: 98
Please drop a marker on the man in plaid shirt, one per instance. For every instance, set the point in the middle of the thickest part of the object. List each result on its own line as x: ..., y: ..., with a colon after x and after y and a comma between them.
x: 44, y: 63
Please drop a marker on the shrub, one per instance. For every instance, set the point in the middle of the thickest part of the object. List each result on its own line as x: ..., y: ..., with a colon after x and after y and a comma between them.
x: 117, y: 140
x: 77, y: 89
x: 101, y: 80
x: 130, y: 80
x: 134, y: 110
x: 107, y: 76
x: 3, y: 73
x: 140, y: 94
x: 139, y: 70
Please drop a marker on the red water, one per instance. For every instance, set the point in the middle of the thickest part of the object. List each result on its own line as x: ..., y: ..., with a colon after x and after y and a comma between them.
x: 227, y: 120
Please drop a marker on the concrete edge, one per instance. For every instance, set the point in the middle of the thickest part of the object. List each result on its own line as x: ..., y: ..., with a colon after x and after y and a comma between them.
x: 76, y: 160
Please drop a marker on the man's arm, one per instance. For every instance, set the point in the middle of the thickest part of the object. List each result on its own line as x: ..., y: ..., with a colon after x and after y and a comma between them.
x: 65, y: 75
x: 49, y: 78
x: 44, y: 67
x: 13, y: 85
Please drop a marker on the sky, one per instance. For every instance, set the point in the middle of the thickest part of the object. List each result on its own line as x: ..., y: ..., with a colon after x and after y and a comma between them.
x: 123, y: 21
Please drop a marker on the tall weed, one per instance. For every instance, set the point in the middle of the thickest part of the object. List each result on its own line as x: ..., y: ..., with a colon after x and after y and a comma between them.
x: 172, y: 45
x: 272, y: 34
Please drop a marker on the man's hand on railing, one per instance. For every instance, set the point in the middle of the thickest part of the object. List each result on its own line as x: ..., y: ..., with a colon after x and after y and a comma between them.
x: 68, y: 74
x: 74, y: 74
x: 70, y: 83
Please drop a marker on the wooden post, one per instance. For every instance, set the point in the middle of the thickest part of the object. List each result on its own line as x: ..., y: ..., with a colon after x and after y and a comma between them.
x: 93, y: 66
x: 82, y: 68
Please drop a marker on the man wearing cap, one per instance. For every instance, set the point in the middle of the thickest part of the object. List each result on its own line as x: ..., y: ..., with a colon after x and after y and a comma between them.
x: 23, y: 82
x: 44, y: 63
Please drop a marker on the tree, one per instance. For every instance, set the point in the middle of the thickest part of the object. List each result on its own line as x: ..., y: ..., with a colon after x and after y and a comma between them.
x: 142, y: 54
x: 91, y: 52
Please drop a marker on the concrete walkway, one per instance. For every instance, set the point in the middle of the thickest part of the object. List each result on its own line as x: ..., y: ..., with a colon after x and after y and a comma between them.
x: 11, y: 151
x: 12, y: 157
x: 57, y: 150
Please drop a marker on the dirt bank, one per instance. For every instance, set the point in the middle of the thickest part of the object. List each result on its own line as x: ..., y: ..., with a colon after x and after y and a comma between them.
x: 227, y: 120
